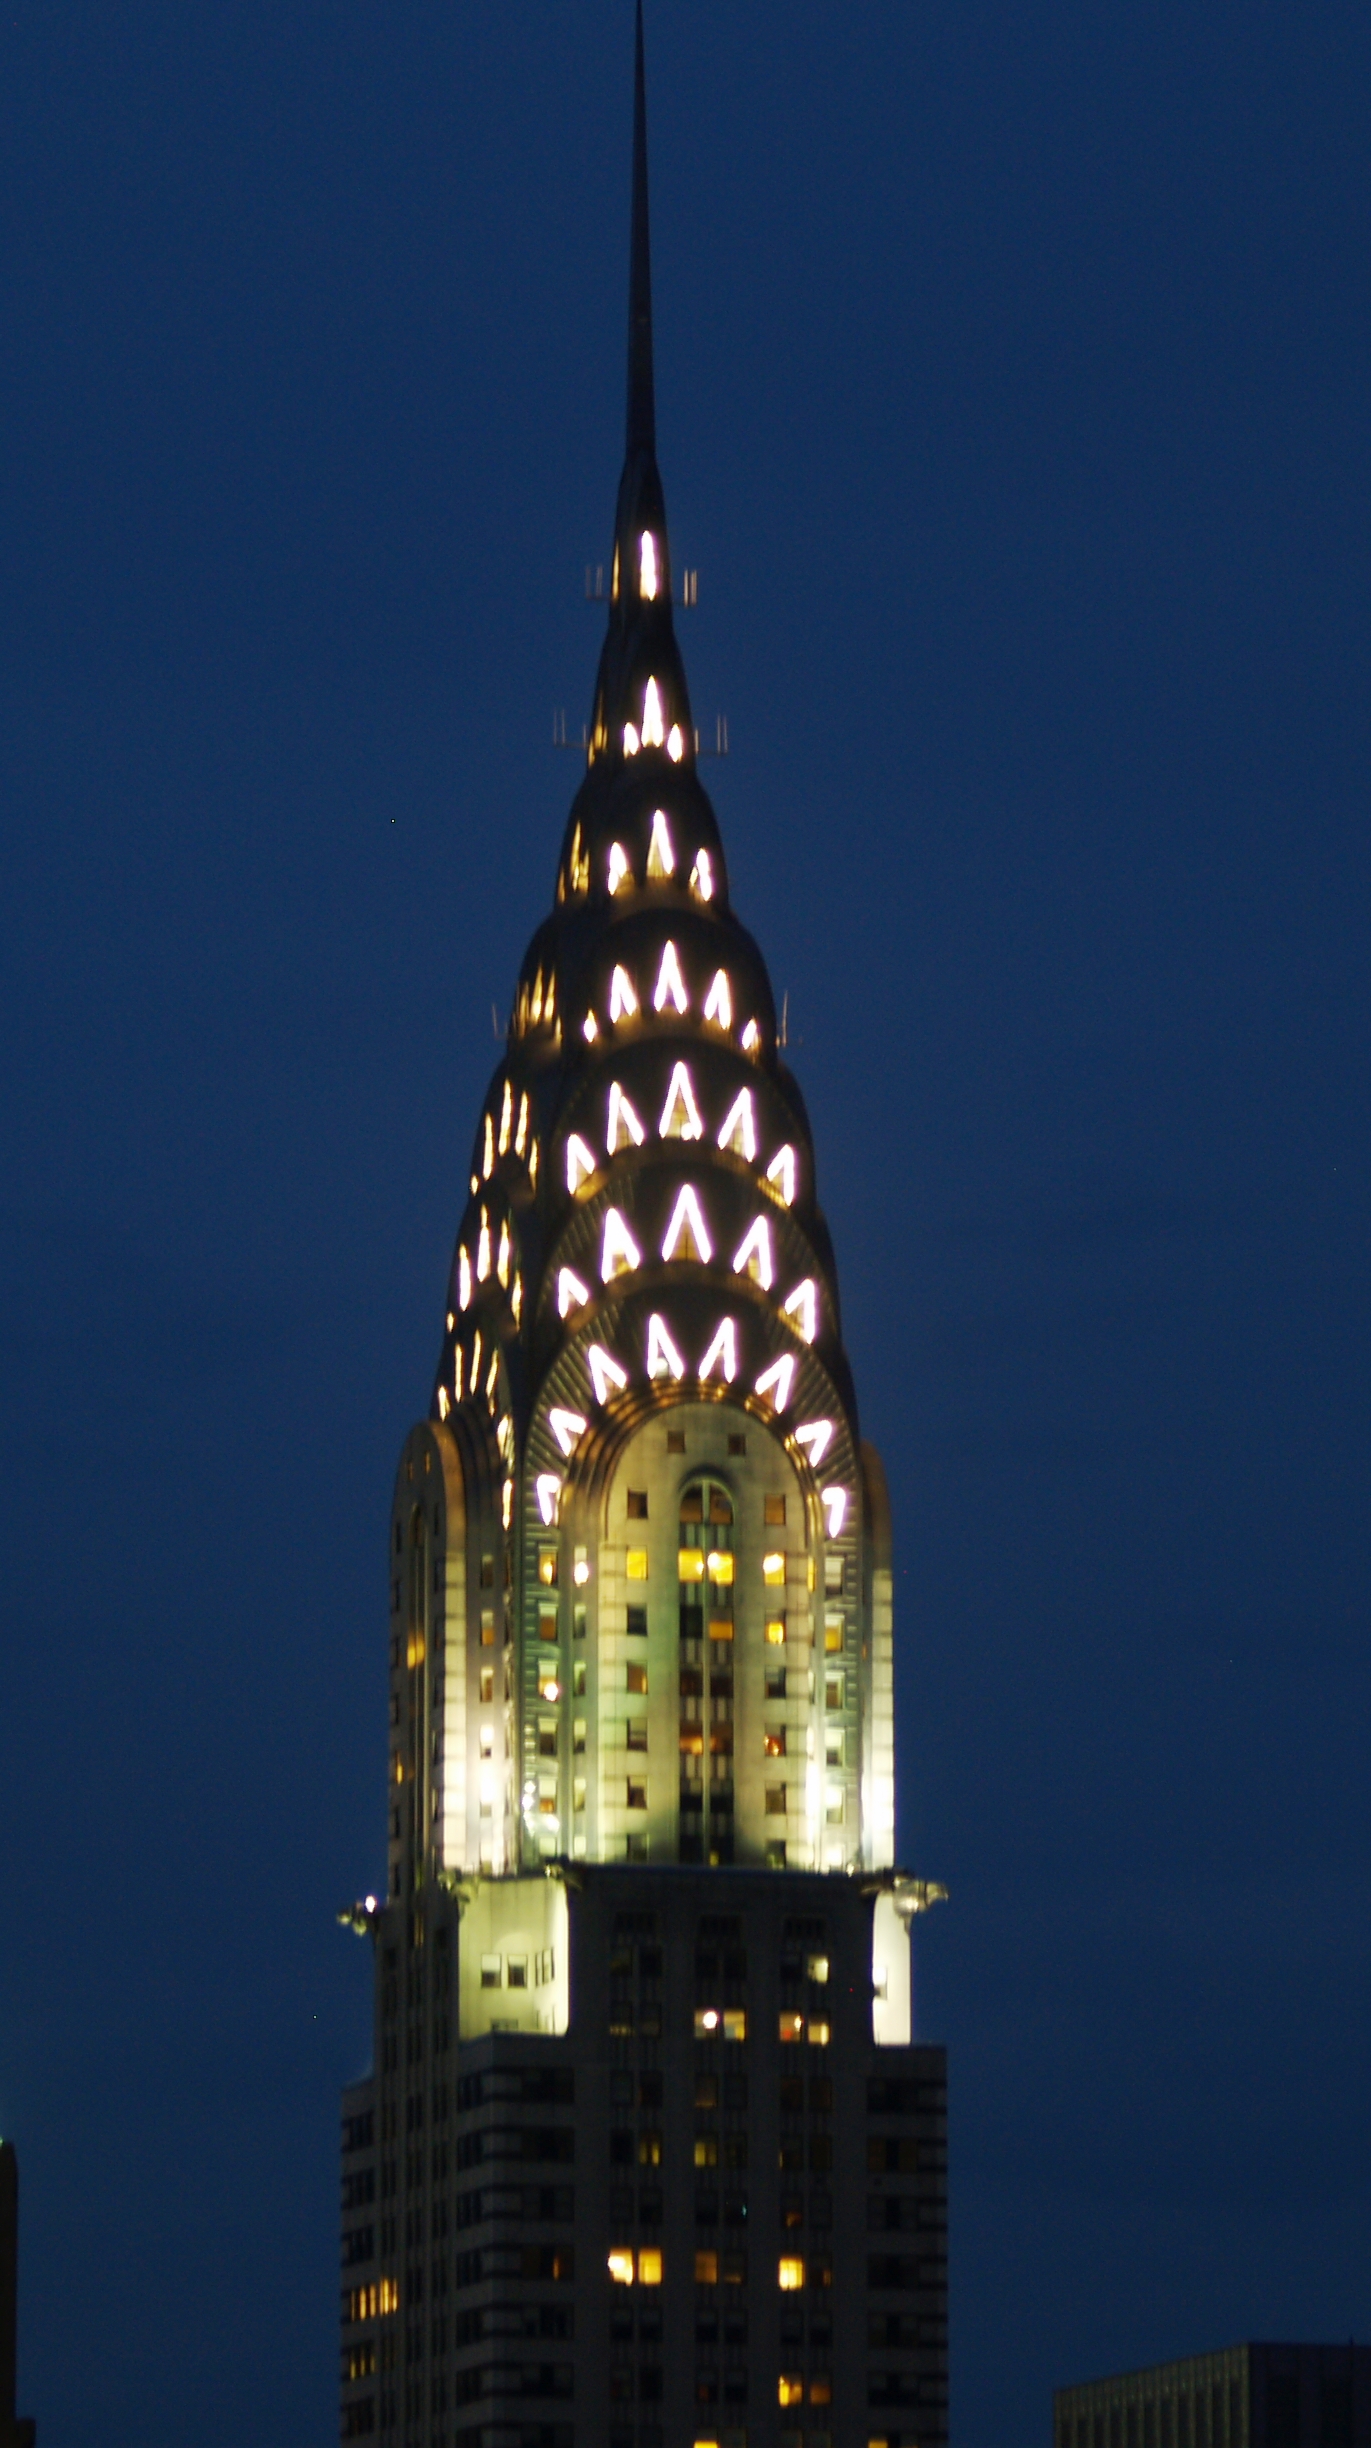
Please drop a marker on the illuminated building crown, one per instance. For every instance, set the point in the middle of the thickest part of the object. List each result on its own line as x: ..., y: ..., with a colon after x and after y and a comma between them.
x: 642, y: 1249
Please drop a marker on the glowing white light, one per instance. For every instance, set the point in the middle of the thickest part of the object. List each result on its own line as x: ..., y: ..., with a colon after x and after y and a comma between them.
x: 680, y: 1114
x: 492, y: 1379
x: 814, y: 1439
x: 802, y: 1307
x: 663, y: 1359
x: 661, y: 858
x: 620, y: 872
x: 502, y: 1254
x: 654, y: 728
x: 751, y: 1038
x: 721, y: 1359
x: 533, y: 1163
x: 702, y: 876
x: 606, y: 1376
x: 590, y: 1028
x: 687, y: 1224
x: 623, y: 1125
x: 457, y: 1374
x: 442, y: 1402
x: 463, y: 1278
x: 647, y: 568
x: 719, y: 1001
x: 516, y: 1298
x: 483, y: 1249
x: 740, y: 1129
x: 619, y: 1253
x: 753, y: 1254
x: 506, y: 1117
x: 547, y: 1487
x: 521, y: 1134
x: 623, y: 1002
x: 568, y: 1427
x: 670, y: 987
x: 504, y: 1436
x: 835, y: 1506
x: 675, y: 743
x: 630, y: 740
x: 775, y: 1380
x: 571, y: 1293
x: 507, y: 1504
x: 781, y: 1174
x: 580, y: 1164
x: 475, y: 1358
x: 488, y: 1151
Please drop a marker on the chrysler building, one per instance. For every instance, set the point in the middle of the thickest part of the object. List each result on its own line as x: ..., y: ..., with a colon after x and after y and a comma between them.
x: 650, y: 2156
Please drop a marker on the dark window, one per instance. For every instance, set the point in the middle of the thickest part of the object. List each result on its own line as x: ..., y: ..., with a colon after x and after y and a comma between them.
x: 1283, y: 2411
x: 1335, y: 2413
x: 773, y: 1511
x: 675, y: 1440
x: 737, y: 1444
x: 637, y: 1504
x: 637, y: 1622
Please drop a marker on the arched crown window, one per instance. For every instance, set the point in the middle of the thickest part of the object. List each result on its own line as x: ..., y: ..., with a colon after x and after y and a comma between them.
x: 705, y: 1560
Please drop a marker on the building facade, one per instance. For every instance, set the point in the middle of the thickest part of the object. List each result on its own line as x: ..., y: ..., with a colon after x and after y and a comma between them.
x: 1254, y: 2396
x: 650, y: 2157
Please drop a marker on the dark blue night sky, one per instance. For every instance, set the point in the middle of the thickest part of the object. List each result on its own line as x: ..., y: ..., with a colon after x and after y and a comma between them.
x: 1013, y: 374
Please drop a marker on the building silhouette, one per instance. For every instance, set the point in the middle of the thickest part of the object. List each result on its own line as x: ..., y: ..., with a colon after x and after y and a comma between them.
x: 649, y: 2157
x: 13, y: 2432
x: 1244, y: 2397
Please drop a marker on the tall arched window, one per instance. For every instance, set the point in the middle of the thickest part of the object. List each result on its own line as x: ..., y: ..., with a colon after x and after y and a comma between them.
x: 705, y: 1571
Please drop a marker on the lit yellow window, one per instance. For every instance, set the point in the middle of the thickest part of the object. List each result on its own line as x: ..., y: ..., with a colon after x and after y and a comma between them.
x: 833, y: 1635
x: 773, y: 1742
x: 547, y: 1567
x: 650, y: 2266
x: 690, y: 1564
x: 721, y: 1627
x: 707, y: 2021
x: 775, y: 1631
x: 706, y: 2150
x: 821, y: 2390
x: 790, y: 2389
x: 791, y: 2027
x: 414, y: 1653
x: 721, y: 1568
x: 816, y: 1967
x: 621, y: 2266
x: 790, y: 2275
x: 706, y: 2269
x: 773, y: 1571
x: 636, y: 1565
x: 735, y: 2023
x: 818, y: 2033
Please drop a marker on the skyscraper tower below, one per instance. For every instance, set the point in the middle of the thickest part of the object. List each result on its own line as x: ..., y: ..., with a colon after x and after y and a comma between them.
x: 649, y: 2157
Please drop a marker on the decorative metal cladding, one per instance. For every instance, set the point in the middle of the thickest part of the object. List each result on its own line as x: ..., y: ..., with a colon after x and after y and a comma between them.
x: 641, y: 1237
